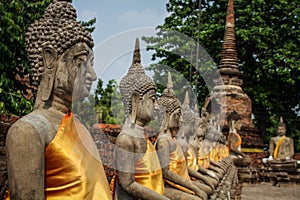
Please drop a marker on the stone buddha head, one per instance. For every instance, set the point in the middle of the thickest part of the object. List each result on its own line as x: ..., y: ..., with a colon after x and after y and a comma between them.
x: 61, y: 56
x: 172, y: 107
x: 281, y: 128
x: 138, y: 92
x: 234, y: 121
x: 200, y: 133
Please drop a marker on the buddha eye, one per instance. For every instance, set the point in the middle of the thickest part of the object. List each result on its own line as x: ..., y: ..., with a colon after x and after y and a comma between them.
x: 82, y: 58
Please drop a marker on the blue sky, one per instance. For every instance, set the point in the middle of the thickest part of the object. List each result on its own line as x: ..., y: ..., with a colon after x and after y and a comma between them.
x: 118, y: 24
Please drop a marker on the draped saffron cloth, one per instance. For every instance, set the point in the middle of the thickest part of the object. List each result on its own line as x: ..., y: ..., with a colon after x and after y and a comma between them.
x: 192, y: 159
x: 148, y: 170
x: 214, y: 153
x: 203, y: 156
x: 178, y: 166
x: 73, y: 169
x: 280, y: 141
x: 224, y: 152
x: 238, y: 142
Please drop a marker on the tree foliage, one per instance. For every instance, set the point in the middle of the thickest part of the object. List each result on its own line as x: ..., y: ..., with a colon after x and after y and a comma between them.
x: 267, y: 40
x: 15, y: 17
x: 108, y: 103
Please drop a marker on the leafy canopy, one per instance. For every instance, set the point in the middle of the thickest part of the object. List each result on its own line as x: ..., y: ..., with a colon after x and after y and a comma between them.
x: 268, y: 43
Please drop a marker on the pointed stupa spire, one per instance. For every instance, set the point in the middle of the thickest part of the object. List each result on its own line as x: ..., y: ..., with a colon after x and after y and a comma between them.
x: 196, y: 108
x: 169, y: 92
x: 281, y: 119
x: 136, y: 54
x: 170, y: 82
x: 229, y: 58
x: 186, y: 98
x: 281, y: 123
x: 168, y: 99
x: 136, y: 80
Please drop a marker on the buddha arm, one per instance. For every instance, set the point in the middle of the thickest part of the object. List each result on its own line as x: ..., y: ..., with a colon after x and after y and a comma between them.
x: 163, y: 152
x: 291, y: 148
x: 272, y: 145
x: 202, y: 170
x: 25, y: 160
x: 199, y: 176
x: 125, y: 159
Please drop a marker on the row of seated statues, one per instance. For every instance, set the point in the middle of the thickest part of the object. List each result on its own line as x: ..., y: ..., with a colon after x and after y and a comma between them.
x: 51, y: 155
x: 170, y: 167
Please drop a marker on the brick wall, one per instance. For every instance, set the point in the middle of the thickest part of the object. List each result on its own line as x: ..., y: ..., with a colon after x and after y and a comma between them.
x: 5, y: 122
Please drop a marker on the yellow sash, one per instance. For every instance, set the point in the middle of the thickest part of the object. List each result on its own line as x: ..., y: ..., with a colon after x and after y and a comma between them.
x: 280, y: 141
x: 203, y: 156
x: 237, y: 144
x: 214, y: 153
x: 192, y: 159
x: 224, y: 152
x: 148, y: 170
x: 73, y: 169
x: 178, y: 166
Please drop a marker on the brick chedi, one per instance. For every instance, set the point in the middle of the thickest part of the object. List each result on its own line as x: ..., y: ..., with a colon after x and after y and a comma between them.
x: 227, y: 94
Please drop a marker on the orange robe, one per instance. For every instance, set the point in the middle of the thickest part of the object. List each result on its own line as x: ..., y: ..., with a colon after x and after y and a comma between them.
x: 148, y: 170
x: 179, y: 167
x: 192, y: 159
x: 224, y: 152
x: 203, y: 156
x: 73, y: 169
x: 238, y: 142
x: 214, y: 153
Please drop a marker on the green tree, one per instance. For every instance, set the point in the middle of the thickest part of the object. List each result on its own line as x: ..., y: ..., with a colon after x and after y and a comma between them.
x: 108, y: 103
x: 267, y: 39
x: 15, y: 17
x: 84, y: 109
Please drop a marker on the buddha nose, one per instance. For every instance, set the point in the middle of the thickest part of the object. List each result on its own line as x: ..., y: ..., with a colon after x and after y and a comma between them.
x: 92, y: 74
x: 180, y: 119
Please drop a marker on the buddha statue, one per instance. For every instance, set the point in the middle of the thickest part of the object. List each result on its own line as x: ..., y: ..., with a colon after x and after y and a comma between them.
x: 235, y: 140
x: 219, y: 156
x: 50, y: 154
x: 187, y: 129
x: 223, y: 149
x: 172, y: 160
x: 202, y: 142
x: 190, y: 154
x: 201, y: 150
x: 207, y: 151
x: 139, y: 174
x: 281, y: 147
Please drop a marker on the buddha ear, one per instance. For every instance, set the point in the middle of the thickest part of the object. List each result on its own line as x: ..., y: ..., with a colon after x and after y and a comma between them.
x: 231, y: 125
x: 166, y: 123
x: 49, y: 58
x: 135, y: 100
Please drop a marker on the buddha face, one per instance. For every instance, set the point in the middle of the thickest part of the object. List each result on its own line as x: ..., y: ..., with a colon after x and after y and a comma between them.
x: 175, y: 121
x: 146, y: 107
x: 200, y: 133
x: 75, y: 72
x: 85, y: 75
x: 281, y: 130
x: 238, y: 125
